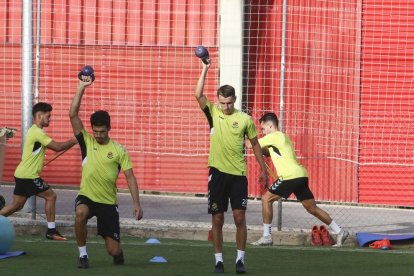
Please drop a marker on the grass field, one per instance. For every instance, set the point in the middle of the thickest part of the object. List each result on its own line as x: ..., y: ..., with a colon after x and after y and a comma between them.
x: 46, y: 257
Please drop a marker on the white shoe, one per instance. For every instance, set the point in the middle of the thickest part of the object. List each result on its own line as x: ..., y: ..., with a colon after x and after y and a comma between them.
x: 265, y: 240
x: 341, y: 238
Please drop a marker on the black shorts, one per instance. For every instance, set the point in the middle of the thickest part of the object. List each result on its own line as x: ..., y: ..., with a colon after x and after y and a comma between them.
x: 27, y: 187
x: 224, y: 186
x: 297, y: 186
x: 107, y: 217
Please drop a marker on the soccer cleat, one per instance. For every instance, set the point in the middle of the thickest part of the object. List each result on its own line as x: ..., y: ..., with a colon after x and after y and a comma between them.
x: 265, y: 240
x: 384, y: 244
x: 219, y: 268
x: 53, y: 234
x: 316, y: 236
x: 326, y: 238
x: 119, y: 260
x: 341, y: 238
x: 240, y: 267
x: 83, y: 262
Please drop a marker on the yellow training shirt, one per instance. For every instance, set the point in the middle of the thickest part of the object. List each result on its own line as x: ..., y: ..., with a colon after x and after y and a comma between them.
x: 33, y: 156
x: 101, y: 165
x: 227, y: 139
x: 283, y: 155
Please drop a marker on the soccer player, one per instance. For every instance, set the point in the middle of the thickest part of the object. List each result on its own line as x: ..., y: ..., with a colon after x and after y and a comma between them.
x: 102, y: 160
x: 227, y: 174
x: 292, y: 178
x: 27, y: 173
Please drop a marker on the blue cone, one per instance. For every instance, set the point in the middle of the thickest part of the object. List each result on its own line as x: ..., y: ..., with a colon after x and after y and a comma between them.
x: 153, y: 241
x: 158, y: 259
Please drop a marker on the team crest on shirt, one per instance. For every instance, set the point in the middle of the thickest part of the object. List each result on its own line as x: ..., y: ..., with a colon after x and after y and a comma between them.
x: 235, y: 125
x: 110, y: 155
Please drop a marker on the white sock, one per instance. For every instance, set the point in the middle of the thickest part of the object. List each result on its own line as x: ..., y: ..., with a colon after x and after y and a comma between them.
x: 267, y: 229
x: 51, y: 225
x: 219, y: 257
x: 335, y: 227
x: 82, y: 251
x: 240, y: 255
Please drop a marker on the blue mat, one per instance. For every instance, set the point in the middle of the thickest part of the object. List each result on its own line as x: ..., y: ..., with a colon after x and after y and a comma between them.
x: 365, y: 238
x: 12, y: 254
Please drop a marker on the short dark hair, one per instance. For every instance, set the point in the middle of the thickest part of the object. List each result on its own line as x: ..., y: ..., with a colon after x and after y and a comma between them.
x: 41, y: 107
x: 226, y: 91
x: 101, y: 118
x: 270, y: 117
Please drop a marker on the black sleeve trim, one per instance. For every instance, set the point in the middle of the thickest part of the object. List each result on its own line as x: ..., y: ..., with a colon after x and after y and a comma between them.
x: 36, y: 146
x: 276, y: 150
x: 207, y: 112
x: 82, y: 144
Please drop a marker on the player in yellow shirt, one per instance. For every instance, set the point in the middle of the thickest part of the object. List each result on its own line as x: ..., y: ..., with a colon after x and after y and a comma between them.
x: 292, y: 178
x: 227, y: 177
x: 102, y: 160
x: 27, y: 173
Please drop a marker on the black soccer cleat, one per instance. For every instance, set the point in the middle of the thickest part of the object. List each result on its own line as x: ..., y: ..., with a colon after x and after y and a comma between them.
x: 219, y: 268
x: 119, y: 260
x: 240, y: 267
x: 83, y: 262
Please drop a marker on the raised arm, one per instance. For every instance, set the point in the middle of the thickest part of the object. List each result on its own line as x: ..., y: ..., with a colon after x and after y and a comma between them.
x: 133, y: 189
x: 202, y: 100
x: 76, y: 122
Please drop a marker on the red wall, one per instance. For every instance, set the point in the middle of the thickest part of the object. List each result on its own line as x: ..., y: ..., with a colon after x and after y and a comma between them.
x: 347, y: 101
x: 320, y: 89
x: 386, y: 172
x: 146, y: 72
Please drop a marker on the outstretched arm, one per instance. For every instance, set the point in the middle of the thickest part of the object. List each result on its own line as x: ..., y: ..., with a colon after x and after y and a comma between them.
x: 76, y: 122
x: 259, y: 157
x: 61, y: 146
x: 265, y: 150
x: 133, y: 189
x: 202, y: 100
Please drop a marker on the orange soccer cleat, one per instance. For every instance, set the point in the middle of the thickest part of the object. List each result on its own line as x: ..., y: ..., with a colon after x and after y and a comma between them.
x: 326, y: 237
x: 316, y: 236
x: 53, y: 234
x: 384, y: 244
